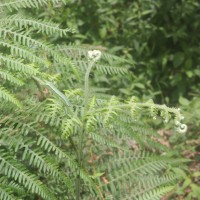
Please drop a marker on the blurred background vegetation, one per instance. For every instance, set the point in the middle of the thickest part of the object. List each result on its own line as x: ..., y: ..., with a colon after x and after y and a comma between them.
x: 161, y: 40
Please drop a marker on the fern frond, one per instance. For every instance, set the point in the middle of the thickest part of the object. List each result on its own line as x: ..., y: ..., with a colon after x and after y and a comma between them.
x: 35, y: 158
x: 91, y: 123
x: 105, y: 69
x: 8, y: 76
x: 14, y: 170
x: 140, y: 132
x: 156, y: 194
x: 45, y: 143
x: 141, y: 163
x: 73, y: 93
x: 46, y: 27
x: 42, y: 141
x: 45, y: 165
x: 7, y: 96
x: 143, y: 107
x: 48, y: 118
x: 132, y: 176
x: 148, y: 184
x: 23, y: 38
x: 111, y: 109
x: 91, y: 119
x: 10, y: 187
x: 105, y: 140
x: 18, y: 65
x: 22, y: 52
x: 16, y: 4
x: 69, y: 126
x: 5, y: 194
x: 49, y: 146
x: 76, y: 51
x: 54, y: 107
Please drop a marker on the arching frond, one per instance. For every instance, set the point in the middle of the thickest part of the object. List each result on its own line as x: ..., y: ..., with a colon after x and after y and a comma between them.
x: 8, y: 76
x: 25, y: 53
x: 5, y: 195
x: 10, y: 188
x: 18, y: 65
x: 42, y: 26
x: 14, y: 170
x: 5, y: 95
x: 23, y: 38
x: 156, y: 194
x: 105, y: 69
x: 76, y: 51
x: 17, y: 4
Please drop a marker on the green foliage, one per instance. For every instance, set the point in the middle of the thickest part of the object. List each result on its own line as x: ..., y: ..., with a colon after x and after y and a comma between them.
x: 188, y: 146
x: 75, y: 141
x: 20, y: 46
x: 160, y: 37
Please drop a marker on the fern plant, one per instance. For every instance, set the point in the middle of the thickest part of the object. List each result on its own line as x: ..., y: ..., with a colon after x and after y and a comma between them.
x: 22, y: 53
x: 78, y: 142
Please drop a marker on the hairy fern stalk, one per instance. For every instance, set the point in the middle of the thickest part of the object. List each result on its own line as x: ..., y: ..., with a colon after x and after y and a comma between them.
x: 72, y: 140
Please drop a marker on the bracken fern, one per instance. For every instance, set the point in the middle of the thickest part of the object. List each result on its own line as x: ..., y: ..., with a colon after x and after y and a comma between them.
x: 77, y: 142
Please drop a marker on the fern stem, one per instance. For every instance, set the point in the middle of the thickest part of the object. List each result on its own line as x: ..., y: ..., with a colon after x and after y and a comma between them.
x: 82, y: 132
x: 86, y: 82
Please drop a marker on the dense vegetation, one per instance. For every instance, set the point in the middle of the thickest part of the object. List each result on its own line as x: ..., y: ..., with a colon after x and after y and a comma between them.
x: 160, y: 38
x: 77, y: 121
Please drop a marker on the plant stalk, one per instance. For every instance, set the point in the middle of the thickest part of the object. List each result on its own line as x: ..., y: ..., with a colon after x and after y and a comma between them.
x: 83, y: 131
